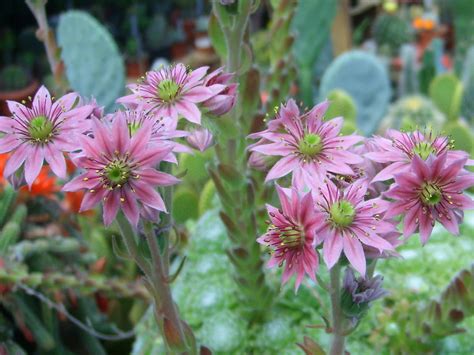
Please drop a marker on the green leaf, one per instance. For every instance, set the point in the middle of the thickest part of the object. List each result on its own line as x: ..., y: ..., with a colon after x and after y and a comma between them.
x: 217, y: 37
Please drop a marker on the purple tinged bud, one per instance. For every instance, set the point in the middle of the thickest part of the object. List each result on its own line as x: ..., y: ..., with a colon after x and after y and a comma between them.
x: 200, y: 139
x: 225, y: 92
x: 227, y: 2
x: 358, y: 293
x: 259, y: 161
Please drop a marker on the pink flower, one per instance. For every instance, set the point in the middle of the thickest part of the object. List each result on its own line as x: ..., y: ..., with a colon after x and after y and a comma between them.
x: 309, y: 147
x: 431, y: 191
x: 120, y: 170
x: 43, y: 132
x: 172, y: 92
x: 200, y: 139
x: 163, y: 130
x: 291, y: 236
x: 398, y: 150
x: 225, y: 99
x: 350, y: 223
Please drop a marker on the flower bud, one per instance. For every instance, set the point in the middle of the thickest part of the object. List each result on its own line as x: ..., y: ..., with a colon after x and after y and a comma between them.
x: 358, y: 293
x: 200, y: 139
x: 223, y: 101
x: 260, y: 162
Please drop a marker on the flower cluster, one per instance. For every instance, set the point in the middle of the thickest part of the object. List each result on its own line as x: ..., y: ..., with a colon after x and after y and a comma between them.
x: 119, y: 153
x: 349, y: 193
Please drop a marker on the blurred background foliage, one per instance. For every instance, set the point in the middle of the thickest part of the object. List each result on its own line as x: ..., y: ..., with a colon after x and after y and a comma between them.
x: 382, y: 63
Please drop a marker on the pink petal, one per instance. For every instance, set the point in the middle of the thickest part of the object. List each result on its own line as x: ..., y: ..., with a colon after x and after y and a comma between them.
x: 149, y: 196
x: 355, y: 253
x: 9, y: 143
x: 6, y: 124
x: 197, y: 74
x: 189, y: 111
x: 199, y: 94
x: 388, y: 172
x: 111, y: 207
x: 33, y: 164
x: 16, y: 159
x: 140, y: 139
x: 450, y: 224
x: 420, y: 168
x: 78, y: 182
x: 120, y: 132
x: 66, y: 101
x: 130, y: 207
x: 55, y: 159
x: 282, y: 167
x: 409, y: 222
x: 272, y: 149
x: 19, y: 110
x: 426, y: 227
x: 42, y: 101
x: 157, y: 178
x: 91, y: 199
x: 332, y: 248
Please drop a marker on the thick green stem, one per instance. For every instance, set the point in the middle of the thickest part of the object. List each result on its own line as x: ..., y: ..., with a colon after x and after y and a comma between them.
x: 235, y: 188
x: 128, y: 237
x: 156, y: 273
x: 337, y: 344
x: 165, y: 307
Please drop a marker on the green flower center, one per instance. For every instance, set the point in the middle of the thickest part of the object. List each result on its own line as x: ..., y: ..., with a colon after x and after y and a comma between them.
x: 291, y: 237
x: 168, y: 90
x: 310, y: 145
x: 431, y: 194
x: 423, y: 150
x: 40, y: 129
x: 117, y: 173
x: 133, y: 127
x: 342, y: 213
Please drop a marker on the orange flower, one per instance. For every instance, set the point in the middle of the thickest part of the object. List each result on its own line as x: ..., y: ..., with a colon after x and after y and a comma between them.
x: 3, y: 161
x: 420, y: 23
x: 44, y: 185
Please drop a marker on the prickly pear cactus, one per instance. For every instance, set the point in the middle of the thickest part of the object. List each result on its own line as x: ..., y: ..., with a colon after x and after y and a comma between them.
x: 366, y: 80
x: 94, y: 66
x: 411, y: 112
x: 462, y: 135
